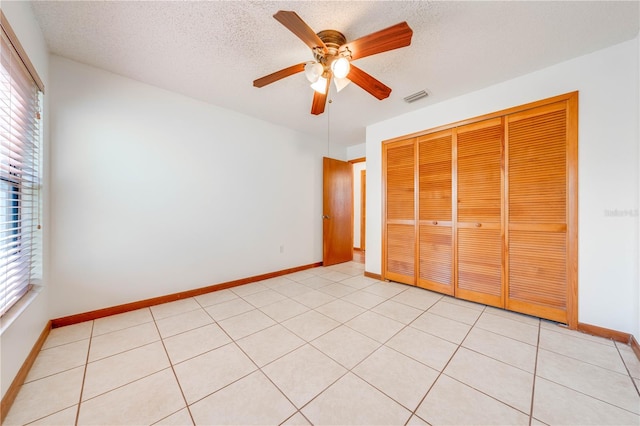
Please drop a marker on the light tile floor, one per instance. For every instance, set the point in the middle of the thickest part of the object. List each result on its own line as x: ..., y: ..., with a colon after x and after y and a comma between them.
x: 327, y: 346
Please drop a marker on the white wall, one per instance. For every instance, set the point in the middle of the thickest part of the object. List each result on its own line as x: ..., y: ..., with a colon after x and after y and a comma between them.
x: 608, y: 170
x: 357, y: 151
x: 154, y: 193
x: 18, y: 339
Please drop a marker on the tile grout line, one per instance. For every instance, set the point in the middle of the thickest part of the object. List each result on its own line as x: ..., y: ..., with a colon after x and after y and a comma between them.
x: 133, y: 348
x: 413, y: 413
x: 381, y: 344
x: 441, y: 372
x: 535, y: 374
x: 120, y: 329
x: 501, y: 362
x: 348, y: 370
x: 84, y: 374
x: 563, y: 331
x: 160, y: 338
x: 173, y: 370
x: 311, y: 345
x: 589, y: 396
x: 627, y: 368
x: 291, y: 416
x: 56, y: 373
x: 628, y: 371
x: 592, y: 364
x: 258, y: 368
x: 307, y: 342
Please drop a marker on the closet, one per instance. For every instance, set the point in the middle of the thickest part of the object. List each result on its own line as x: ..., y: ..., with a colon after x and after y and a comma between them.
x: 486, y: 209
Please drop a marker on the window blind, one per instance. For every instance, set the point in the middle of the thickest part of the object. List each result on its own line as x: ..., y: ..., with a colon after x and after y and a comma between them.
x: 20, y: 124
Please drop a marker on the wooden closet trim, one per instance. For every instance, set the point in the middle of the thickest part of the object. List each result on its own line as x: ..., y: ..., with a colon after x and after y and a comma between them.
x: 497, y: 114
x: 572, y: 209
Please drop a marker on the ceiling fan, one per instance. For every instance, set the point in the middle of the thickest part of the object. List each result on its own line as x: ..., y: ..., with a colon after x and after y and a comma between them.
x: 333, y: 56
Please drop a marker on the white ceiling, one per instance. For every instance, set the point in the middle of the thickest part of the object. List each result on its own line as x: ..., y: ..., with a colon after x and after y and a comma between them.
x: 213, y: 50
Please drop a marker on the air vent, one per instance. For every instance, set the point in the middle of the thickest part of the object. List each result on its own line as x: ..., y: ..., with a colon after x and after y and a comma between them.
x: 418, y: 95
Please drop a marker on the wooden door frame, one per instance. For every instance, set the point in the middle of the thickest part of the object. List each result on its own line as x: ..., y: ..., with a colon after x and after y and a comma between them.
x: 362, y: 202
x: 363, y: 208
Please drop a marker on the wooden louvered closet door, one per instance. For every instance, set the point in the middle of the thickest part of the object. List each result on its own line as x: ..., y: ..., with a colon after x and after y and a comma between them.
x: 538, y: 156
x: 486, y: 209
x: 479, y: 212
x: 435, y: 226
x: 398, y: 165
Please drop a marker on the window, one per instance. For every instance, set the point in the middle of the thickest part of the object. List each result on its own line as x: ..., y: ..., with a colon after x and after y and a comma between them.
x: 20, y: 124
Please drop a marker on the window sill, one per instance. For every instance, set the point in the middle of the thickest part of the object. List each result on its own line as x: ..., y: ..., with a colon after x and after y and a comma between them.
x: 16, y: 310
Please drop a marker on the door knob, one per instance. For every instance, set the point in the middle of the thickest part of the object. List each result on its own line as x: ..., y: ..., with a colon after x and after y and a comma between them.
x: 324, y: 216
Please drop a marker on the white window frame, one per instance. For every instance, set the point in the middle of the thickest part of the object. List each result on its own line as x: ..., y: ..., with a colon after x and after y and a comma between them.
x: 21, y: 93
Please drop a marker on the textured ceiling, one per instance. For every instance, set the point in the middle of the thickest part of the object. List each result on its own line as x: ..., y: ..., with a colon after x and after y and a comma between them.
x: 213, y: 50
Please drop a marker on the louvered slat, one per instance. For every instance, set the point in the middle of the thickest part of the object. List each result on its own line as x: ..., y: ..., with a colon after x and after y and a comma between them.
x: 537, y: 268
x: 436, y: 258
x: 480, y: 265
x: 400, y: 182
x: 479, y: 160
x: 537, y: 169
x: 401, y: 252
x: 434, y: 156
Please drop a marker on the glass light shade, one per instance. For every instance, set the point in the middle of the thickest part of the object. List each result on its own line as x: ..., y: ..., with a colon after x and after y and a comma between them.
x: 340, y: 67
x: 341, y: 83
x: 313, y: 71
x: 320, y: 86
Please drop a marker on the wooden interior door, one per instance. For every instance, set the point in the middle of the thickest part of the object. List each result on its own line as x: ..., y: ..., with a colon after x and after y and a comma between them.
x: 540, y: 155
x: 479, y: 212
x: 337, y: 217
x: 398, y: 256
x: 435, y: 236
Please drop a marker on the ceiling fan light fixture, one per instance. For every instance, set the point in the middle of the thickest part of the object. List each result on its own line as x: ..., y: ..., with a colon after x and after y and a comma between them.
x: 313, y: 71
x: 341, y: 83
x: 320, y: 85
x: 340, y: 67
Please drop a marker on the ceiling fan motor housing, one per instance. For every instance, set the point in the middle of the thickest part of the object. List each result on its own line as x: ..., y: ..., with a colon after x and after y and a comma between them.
x: 333, y: 40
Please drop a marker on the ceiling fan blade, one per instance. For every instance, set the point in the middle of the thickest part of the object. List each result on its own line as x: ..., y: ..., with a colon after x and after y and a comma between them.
x: 268, y: 79
x: 320, y: 100
x: 390, y: 38
x: 368, y: 83
x: 296, y: 25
